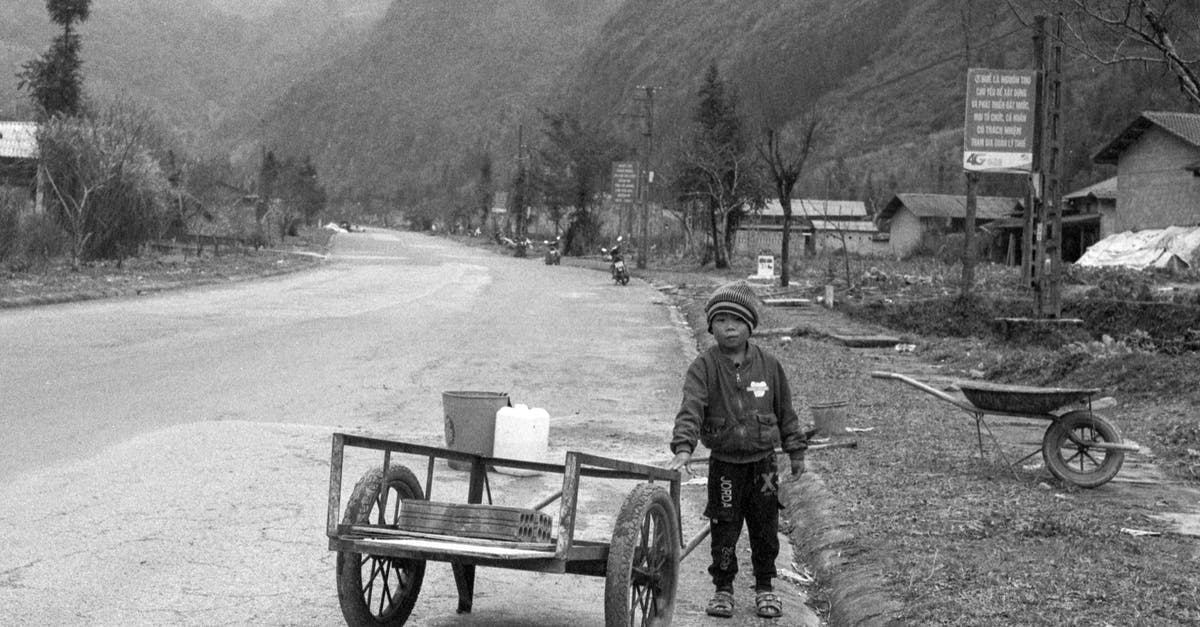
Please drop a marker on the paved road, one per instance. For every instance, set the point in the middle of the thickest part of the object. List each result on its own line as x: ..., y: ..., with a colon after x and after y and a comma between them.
x: 166, y: 457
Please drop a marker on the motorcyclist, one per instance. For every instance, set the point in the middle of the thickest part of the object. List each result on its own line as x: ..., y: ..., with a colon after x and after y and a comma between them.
x: 553, y: 255
x: 617, y: 262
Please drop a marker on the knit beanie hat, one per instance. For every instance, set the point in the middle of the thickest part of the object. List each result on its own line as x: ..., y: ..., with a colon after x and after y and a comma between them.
x: 737, y: 299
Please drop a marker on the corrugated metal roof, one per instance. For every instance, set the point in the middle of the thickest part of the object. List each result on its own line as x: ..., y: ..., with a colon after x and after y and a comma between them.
x: 18, y: 140
x: 817, y: 208
x: 1104, y: 189
x: 951, y: 206
x: 1185, y: 126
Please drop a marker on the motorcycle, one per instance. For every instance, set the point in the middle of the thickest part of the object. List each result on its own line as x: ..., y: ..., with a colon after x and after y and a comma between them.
x: 617, y: 263
x: 553, y: 256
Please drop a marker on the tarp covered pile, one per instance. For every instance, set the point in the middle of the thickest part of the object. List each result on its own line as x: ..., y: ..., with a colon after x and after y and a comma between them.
x: 1172, y: 248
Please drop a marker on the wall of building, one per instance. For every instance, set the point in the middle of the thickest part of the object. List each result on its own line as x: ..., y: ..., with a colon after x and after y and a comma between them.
x: 754, y: 241
x: 1153, y: 189
x: 856, y: 242
x: 906, y: 231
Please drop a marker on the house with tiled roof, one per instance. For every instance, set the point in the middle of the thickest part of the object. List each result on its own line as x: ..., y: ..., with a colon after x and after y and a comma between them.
x: 1158, y: 171
x: 18, y: 162
x: 910, y: 218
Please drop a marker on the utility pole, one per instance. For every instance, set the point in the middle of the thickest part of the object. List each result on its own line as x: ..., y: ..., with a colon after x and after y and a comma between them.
x: 644, y: 177
x: 1042, y: 258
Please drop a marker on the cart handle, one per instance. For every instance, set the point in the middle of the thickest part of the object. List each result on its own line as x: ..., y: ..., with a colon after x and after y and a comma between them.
x: 811, y: 447
x: 925, y: 388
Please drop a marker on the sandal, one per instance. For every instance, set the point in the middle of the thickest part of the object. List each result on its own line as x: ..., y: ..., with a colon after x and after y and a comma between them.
x: 721, y: 605
x: 768, y: 605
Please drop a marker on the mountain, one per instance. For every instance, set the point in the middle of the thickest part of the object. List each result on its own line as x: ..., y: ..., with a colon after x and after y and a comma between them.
x: 434, y: 83
x: 438, y: 81
x: 396, y: 101
x: 201, y: 63
x: 889, y: 78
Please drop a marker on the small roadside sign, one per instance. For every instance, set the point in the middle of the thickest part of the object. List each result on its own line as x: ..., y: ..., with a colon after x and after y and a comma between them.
x: 500, y: 202
x: 624, y: 181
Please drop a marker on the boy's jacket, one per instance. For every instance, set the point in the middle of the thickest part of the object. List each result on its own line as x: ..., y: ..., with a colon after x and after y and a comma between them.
x: 741, y: 414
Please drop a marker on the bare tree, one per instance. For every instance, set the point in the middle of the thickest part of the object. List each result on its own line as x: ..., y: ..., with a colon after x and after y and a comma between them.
x: 1161, y: 32
x: 784, y: 150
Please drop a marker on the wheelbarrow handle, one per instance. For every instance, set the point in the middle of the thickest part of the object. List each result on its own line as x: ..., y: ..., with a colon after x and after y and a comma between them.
x: 924, y: 388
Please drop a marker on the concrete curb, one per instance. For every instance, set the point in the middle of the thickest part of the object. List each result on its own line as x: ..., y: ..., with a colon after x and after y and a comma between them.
x: 818, y: 539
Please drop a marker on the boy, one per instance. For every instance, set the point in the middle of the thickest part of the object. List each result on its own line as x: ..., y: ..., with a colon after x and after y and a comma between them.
x: 736, y: 401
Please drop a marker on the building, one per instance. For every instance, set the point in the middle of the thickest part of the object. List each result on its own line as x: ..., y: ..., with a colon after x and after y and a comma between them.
x: 1087, y: 217
x: 817, y: 224
x: 1098, y: 199
x: 18, y: 163
x: 909, y: 218
x: 1158, y: 171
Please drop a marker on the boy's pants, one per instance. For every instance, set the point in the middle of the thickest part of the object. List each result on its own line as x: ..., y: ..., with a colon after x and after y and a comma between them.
x: 738, y: 492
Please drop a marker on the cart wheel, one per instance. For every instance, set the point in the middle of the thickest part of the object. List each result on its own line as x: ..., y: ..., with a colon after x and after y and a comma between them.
x: 1068, y: 456
x: 374, y: 589
x: 643, y: 560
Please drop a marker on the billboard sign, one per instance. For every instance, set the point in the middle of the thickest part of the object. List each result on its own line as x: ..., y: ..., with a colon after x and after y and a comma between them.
x: 624, y: 181
x: 998, y: 131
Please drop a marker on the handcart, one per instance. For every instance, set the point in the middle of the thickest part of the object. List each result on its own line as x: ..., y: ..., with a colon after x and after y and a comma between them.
x: 1079, y: 446
x: 381, y: 558
x: 390, y: 529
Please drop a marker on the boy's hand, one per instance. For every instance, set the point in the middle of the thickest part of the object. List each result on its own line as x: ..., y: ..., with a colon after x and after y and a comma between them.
x: 680, y: 460
x: 797, y: 467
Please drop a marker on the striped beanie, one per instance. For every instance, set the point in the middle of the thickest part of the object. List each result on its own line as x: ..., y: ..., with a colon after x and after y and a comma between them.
x: 735, y: 298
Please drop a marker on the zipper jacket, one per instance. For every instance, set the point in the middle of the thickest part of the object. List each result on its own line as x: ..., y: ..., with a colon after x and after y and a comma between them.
x: 740, y: 413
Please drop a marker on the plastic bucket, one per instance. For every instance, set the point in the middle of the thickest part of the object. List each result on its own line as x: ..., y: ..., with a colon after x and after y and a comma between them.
x: 471, y: 422
x: 829, y: 418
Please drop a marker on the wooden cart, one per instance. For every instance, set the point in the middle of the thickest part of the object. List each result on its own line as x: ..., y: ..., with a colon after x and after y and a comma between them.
x: 380, y: 564
x: 1079, y: 446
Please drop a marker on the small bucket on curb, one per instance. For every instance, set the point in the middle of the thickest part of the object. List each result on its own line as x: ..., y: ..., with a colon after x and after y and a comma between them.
x: 471, y: 422
x: 830, y: 418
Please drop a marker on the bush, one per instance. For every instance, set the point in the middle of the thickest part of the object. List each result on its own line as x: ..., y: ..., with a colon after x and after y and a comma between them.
x: 42, y: 238
x: 9, y: 230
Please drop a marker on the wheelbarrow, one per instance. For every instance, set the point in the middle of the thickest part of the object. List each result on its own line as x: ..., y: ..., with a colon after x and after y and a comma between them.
x: 1078, y: 447
x: 390, y: 529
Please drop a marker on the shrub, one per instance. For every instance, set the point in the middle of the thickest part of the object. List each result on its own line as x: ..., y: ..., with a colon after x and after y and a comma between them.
x: 9, y: 230
x: 42, y: 238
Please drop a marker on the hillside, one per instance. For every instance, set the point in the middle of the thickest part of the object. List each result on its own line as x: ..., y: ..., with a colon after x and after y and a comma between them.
x: 889, y: 78
x: 397, y: 100
x: 403, y: 115
x: 436, y: 82
x: 201, y: 63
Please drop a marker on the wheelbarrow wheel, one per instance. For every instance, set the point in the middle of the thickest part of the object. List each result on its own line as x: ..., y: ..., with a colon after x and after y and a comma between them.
x: 643, y: 560
x: 1067, y: 453
x: 376, y: 589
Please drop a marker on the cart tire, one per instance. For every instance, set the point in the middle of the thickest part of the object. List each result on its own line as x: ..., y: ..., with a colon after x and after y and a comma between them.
x: 379, y: 590
x: 643, y: 560
x: 1079, y: 464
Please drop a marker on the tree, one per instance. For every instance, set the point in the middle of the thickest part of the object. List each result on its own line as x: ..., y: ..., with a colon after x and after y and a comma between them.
x: 784, y: 151
x: 1158, y: 32
x: 55, y: 79
x: 108, y: 190
x: 576, y: 160
x: 717, y: 164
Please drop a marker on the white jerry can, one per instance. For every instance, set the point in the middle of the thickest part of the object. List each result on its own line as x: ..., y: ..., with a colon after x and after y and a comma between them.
x: 521, y: 433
